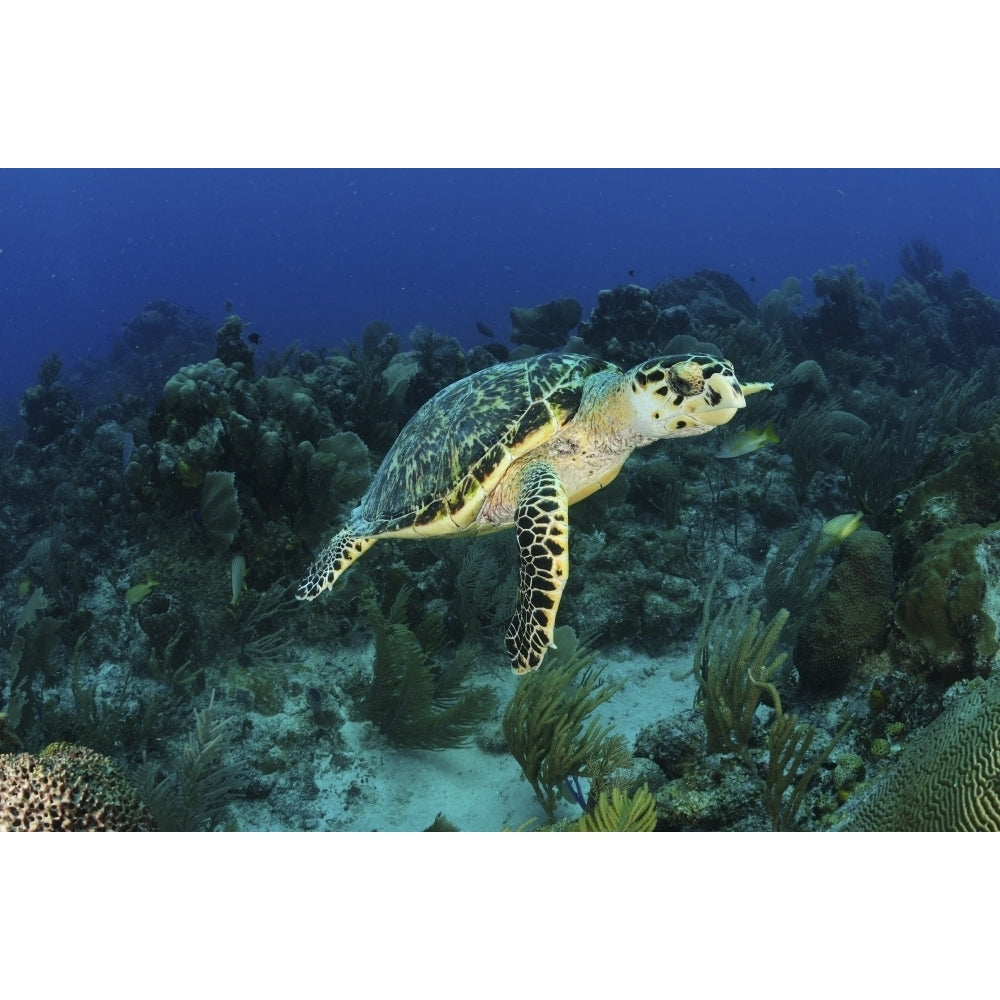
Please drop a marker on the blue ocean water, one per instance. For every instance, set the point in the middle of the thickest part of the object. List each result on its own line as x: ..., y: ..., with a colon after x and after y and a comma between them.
x: 314, y: 255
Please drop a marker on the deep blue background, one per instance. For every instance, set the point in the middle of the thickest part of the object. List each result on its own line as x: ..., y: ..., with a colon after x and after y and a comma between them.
x: 315, y: 255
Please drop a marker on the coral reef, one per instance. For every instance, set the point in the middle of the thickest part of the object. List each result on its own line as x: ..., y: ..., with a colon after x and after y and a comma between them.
x: 712, y: 299
x: 951, y: 600
x: 220, y: 509
x: 878, y: 464
x: 549, y: 729
x: 158, y: 503
x: 948, y: 777
x: 789, y: 769
x: 945, y: 547
x: 199, y: 785
x: 918, y: 259
x: 546, y: 326
x: 68, y: 788
x: 734, y: 669
x: 615, y: 811
x: 966, y: 490
x: 627, y: 326
x: 414, y: 700
x: 267, y: 441
x: 852, y: 615
x: 48, y: 408
x: 848, y: 315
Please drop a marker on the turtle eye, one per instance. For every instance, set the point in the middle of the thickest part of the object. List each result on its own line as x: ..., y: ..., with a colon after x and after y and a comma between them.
x: 686, y: 378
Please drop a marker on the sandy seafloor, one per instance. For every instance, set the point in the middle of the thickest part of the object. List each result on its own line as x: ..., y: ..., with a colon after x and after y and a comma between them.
x: 362, y: 782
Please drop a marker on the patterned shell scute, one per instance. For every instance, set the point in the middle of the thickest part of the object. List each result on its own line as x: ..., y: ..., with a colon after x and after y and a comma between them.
x: 469, y: 432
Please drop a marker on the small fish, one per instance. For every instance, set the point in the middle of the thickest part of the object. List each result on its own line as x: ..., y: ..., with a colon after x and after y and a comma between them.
x: 254, y: 338
x: 745, y: 442
x: 140, y: 591
x: 484, y: 329
x: 229, y: 307
x: 128, y: 447
x: 837, y: 529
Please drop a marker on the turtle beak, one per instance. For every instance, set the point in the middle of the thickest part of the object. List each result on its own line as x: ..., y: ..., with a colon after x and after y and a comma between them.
x: 726, y: 396
x: 714, y: 418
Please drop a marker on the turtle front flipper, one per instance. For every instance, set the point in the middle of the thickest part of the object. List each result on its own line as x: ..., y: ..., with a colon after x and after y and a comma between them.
x: 343, y: 549
x: 542, y: 525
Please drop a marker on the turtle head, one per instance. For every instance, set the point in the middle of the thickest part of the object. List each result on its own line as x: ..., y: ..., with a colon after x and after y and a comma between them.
x: 684, y: 394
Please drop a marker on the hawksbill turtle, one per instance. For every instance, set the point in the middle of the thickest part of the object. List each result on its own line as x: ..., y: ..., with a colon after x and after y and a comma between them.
x: 513, y: 446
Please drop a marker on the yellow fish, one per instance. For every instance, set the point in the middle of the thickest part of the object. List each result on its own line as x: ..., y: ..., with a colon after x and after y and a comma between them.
x: 141, y: 590
x: 837, y: 529
x: 744, y: 442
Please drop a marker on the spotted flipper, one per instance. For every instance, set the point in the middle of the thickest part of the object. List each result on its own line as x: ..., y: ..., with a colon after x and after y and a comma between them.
x: 542, y: 526
x: 343, y: 549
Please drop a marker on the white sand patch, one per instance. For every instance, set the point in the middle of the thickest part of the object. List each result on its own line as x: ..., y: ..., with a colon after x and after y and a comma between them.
x: 389, y: 788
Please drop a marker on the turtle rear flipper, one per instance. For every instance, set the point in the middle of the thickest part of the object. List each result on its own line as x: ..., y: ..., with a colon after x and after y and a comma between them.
x: 542, y: 525
x: 343, y: 549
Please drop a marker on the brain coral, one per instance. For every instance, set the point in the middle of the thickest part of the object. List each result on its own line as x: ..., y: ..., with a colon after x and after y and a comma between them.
x: 853, y: 615
x: 68, y: 788
x: 948, y: 777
